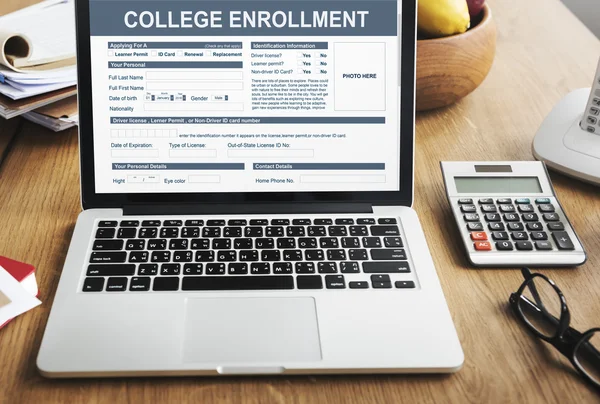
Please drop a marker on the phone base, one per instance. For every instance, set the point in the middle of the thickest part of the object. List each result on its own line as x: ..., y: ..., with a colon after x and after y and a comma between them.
x: 564, y: 146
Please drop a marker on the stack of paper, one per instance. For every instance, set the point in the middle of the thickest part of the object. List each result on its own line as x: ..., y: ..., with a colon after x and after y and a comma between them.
x: 58, y: 116
x: 37, y: 56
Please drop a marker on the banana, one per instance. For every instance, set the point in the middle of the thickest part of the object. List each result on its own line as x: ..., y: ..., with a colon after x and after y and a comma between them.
x: 439, y: 18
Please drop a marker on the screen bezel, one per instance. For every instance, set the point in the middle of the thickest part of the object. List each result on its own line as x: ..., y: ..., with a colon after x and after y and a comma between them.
x: 91, y: 199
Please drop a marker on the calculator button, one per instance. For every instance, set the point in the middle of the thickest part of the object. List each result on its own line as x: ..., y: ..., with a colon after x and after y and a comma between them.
x: 596, y: 101
x: 483, y: 246
x: 524, y: 245
x: 543, y: 245
x: 519, y: 235
x: 550, y: 217
x: 486, y: 201
x: 549, y: 208
x: 465, y: 201
x: 492, y: 217
x: 500, y: 235
x: 504, y: 246
x: 594, y: 111
x: 507, y: 208
x: 479, y: 236
x: 539, y: 235
x: 526, y: 208
x: 511, y: 217
x: 591, y: 120
x: 516, y: 226
x: 542, y: 201
x: 504, y: 201
x: 474, y: 226
x: 489, y: 208
x: 468, y: 209
x: 563, y: 241
x: 534, y: 226
x: 471, y: 217
x: 556, y: 226
x: 496, y: 226
x: 530, y: 217
x: 522, y: 201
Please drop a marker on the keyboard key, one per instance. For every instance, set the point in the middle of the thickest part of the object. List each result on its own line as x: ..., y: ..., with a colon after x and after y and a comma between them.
x: 511, y: 217
x: 237, y: 222
x: 385, y: 267
x: 336, y: 255
x: 358, y: 285
x: 286, y: 243
x: 190, y: 232
x: 522, y: 201
x: 468, y: 209
x: 404, y: 285
x: 562, y: 240
x: 296, y: 231
x: 489, y: 208
x: 335, y: 282
x: 242, y: 243
x: 535, y: 226
x: 301, y: 222
x: 317, y: 231
x: 503, y: 201
x: 314, y: 255
x: 194, y: 222
x: 200, y: 244
x: 543, y: 245
x: 107, y: 223
x: 130, y: 223
x: 305, y: 268
x: 270, y: 255
x: 474, y: 226
x: 232, y: 232
x: 231, y: 255
x: 237, y: 268
x: 274, y: 231
x: 358, y: 255
x: 169, y: 232
x: 248, y: 255
x: 170, y: 269
x: 382, y: 285
x: 138, y: 256
x: 167, y: 283
x: 260, y: 268
x: 196, y: 269
x: 102, y: 245
x: 516, y: 226
x: 519, y: 235
x: 151, y: 223
x: 550, y: 217
x: 388, y: 254
x: 387, y: 220
x: 215, y: 268
x: 549, y: 208
x: 215, y: 222
x: 205, y: 256
x: 350, y: 242
x: 148, y: 232
x: 259, y: 222
x: 385, y: 230
x: 479, y: 236
x: 492, y: 217
x: 173, y: 223
x: 486, y: 201
x: 542, y: 201
x: 183, y: 256
x: 93, y: 284
x: 349, y: 267
x: 161, y: 256
x: 110, y: 269
x: 157, y: 244
x: 148, y: 269
x: 253, y: 232
x: 465, y: 201
x: 373, y: 242
x: 309, y: 282
x: 292, y: 255
x: 238, y: 283
x: 526, y: 208
x: 539, y: 235
x: 504, y: 246
x: 307, y: 242
x: 140, y: 284
x: 482, y: 246
x: 211, y: 232
x: 344, y: 221
x: 469, y: 217
x: 500, y: 235
x: 282, y: 268
x: 116, y: 284
x: 265, y: 243
x: 179, y: 244
x: 323, y: 222
x: 338, y: 231
x: 329, y: 242
x: 524, y: 245
x: 530, y: 217
x: 280, y: 222
x: 105, y: 233
x: 359, y: 231
x: 365, y: 221
x: 106, y: 257
x: 327, y: 267
x: 495, y: 226
x: 556, y: 226
x: 221, y: 244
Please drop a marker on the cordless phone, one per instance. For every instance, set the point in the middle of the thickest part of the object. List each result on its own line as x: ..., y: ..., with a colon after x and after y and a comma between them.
x: 591, y: 116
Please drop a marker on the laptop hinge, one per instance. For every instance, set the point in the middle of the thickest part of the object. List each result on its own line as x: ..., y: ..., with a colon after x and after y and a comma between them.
x: 247, y: 209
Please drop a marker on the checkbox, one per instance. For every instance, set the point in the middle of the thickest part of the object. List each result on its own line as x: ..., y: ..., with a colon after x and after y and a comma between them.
x: 153, y: 53
x: 179, y: 53
x: 111, y: 53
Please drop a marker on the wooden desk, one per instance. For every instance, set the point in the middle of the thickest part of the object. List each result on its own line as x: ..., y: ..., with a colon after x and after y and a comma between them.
x: 543, y: 53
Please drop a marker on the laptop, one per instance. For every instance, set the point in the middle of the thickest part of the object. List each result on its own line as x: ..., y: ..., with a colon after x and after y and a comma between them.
x: 247, y: 183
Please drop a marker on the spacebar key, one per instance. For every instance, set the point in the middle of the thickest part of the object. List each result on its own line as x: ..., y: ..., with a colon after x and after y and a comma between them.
x: 238, y: 283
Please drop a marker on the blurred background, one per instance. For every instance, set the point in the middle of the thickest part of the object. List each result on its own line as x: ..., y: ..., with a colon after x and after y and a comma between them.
x: 588, y: 11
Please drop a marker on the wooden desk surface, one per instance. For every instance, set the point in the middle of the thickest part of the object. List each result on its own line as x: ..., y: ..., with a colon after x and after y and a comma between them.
x: 543, y: 53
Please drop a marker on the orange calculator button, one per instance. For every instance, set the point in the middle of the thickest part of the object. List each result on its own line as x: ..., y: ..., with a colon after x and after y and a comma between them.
x: 479, y: 236
x: 483, y: 246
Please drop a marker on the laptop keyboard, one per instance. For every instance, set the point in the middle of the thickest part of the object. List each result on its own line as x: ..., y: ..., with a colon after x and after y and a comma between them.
x: 239, y: 254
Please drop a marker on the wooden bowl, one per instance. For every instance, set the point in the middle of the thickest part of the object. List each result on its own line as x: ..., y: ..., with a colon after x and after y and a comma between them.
x: 450, y: 68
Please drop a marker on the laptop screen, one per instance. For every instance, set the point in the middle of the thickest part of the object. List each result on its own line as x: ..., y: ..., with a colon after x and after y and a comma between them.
x: 245, y: 96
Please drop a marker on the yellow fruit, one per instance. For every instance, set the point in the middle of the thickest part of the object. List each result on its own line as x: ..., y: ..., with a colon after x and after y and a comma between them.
x: 438, y: 18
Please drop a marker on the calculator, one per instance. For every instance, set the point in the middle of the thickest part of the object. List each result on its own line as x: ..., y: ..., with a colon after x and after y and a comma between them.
x: 591, y: 116
x: 508, y: 215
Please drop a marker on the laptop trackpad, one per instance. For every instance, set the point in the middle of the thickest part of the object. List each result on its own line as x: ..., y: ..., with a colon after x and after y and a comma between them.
x: 263, y: 330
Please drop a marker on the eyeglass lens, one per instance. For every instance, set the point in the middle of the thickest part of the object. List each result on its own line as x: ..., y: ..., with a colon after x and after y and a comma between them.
x: 587, y: 355
x: 540, y: 305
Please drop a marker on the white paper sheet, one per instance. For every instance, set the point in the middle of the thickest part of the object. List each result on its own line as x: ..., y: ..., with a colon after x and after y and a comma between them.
x: 14, y: 299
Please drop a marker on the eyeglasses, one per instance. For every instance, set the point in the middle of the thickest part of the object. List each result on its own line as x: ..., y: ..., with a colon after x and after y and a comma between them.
x: 542, y: 307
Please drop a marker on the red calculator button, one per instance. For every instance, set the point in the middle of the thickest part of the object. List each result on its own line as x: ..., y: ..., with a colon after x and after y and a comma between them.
x: 479, y: 236
x: 483, y: 246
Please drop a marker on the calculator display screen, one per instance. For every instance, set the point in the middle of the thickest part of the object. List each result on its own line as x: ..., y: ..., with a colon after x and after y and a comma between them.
x: 498, y: 185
